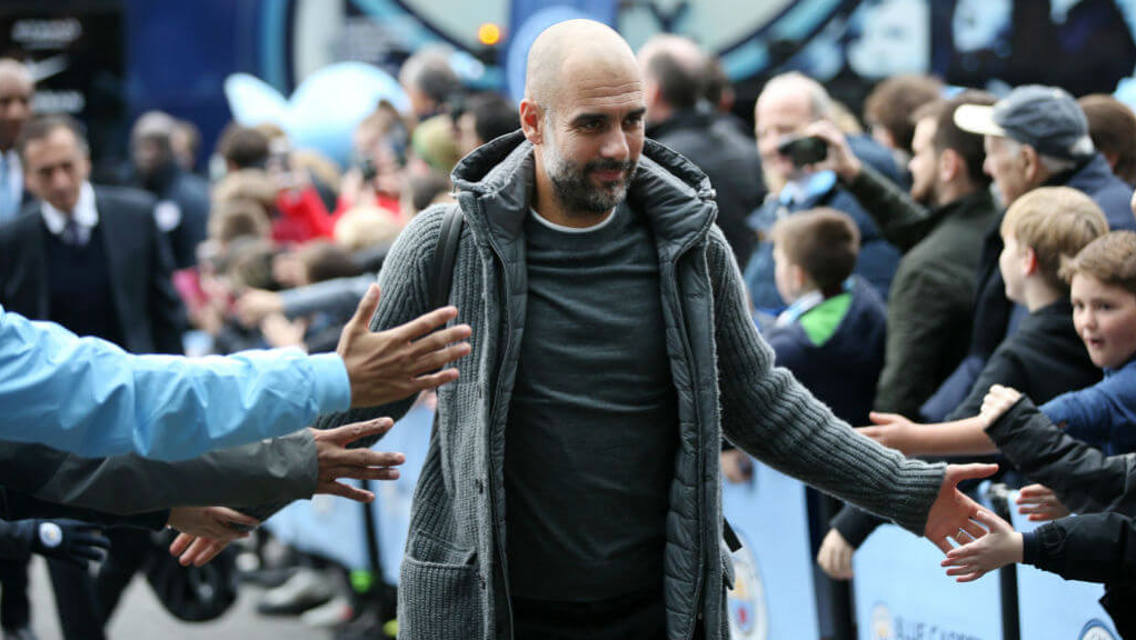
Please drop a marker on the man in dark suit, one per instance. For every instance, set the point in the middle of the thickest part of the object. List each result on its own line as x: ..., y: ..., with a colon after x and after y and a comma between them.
x: 93, y: 260
x: 16, y: 92
x: 89, y: 258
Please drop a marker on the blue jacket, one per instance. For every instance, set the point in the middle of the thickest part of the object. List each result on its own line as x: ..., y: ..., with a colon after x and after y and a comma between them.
x: 1103, y: 415
x: 843, y: 371
x: 1113, y: 195
x: 87, y: 396
x: 877, y: 262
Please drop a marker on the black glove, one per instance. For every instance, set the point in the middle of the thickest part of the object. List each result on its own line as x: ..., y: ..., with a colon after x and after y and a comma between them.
x: 71, y: 541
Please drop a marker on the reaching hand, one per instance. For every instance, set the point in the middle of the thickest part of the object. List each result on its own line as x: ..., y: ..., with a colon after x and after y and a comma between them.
x: 835, y: 556
x: 218, y: 523
x: 996, y: 549
x: 892, y: 430
x: 1040, y: 503
x: 279, y: 331
x: 71, y: 541
x: 255, y: 305
x: 736, y: 466
x: 194, y: 550
x: 393, y: 364
x: 337, y: 461
x: 998, y: 400
x: 953, y: 512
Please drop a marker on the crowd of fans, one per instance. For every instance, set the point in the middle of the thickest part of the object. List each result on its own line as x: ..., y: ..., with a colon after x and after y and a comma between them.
x: 961, y: 242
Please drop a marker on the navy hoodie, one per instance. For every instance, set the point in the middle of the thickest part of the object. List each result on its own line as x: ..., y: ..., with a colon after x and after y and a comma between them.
x: 843, y: 371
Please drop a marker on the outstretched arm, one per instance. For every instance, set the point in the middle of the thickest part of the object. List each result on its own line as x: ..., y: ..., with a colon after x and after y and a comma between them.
x: 965, y: 437
x: 1097, y: 547
x: 766, y: 412
x: 1083, y: 477
x: 170, y: 408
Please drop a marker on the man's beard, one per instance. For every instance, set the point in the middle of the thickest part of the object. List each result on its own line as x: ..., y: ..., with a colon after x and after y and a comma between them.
x: 574, y: 187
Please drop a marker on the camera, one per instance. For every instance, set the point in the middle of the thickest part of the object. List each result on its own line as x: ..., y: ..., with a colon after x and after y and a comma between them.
x: 804, y: 151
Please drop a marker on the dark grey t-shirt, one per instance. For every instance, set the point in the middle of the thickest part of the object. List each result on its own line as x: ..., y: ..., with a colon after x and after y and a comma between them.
x: 593, y: 427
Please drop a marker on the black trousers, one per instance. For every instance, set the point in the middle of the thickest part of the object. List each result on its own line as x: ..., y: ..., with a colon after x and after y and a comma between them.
x: 637, y: 616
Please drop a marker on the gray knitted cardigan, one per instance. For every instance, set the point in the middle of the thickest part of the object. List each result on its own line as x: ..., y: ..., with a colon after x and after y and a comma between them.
x: 453, y: 579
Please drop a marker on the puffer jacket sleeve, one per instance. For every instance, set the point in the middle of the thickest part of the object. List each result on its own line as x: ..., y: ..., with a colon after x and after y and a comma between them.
x: 1098, y: 547
x: 1083, y: 478
x: 767, y: 413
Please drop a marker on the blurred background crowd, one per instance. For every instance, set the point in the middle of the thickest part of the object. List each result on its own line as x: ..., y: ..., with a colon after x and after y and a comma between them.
x: 158, y: 190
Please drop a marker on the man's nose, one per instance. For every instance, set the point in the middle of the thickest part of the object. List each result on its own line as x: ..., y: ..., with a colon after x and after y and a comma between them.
x: 615, y: 146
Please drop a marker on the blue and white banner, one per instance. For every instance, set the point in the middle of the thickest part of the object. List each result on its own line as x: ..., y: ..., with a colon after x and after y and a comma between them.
x: 902, y: 593
x: 1050, y: 606
x: 773, y: 594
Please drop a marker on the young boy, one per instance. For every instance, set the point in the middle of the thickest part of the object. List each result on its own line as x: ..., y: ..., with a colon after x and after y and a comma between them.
x: 1103, y: 293
x: 833, y: 333
x: 1101, y: 546
x: 1040, y: 230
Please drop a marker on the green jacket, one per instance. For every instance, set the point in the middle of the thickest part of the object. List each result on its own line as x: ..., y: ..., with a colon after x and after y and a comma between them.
x: 453, y: 581
x: 929, y: 305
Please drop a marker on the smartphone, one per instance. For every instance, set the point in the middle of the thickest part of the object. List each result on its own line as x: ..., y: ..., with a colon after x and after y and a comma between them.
x: 804, y: 151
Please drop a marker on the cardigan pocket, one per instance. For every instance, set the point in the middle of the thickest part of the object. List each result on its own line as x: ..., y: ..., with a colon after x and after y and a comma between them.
x: 439, y: 601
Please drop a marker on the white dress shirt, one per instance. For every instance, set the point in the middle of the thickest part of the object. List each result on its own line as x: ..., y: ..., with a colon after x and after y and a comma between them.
x: 86, y: 216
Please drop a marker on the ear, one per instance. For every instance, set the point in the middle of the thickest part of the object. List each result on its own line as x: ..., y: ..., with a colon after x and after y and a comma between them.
x: 1031, y: 163
x: 1111, y: 157
x: 532, y: 121
x: 798, y: 276
x: 1030, y: 263
x: 950, y: 165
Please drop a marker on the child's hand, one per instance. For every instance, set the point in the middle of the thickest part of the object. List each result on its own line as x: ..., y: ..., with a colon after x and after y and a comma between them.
x: 835, y: 556
x: 994, y: 550
x: 1040, y: 503
x: 891, y: 430
x: 997, y: 401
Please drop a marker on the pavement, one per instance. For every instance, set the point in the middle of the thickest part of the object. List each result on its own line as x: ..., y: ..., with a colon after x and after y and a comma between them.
x: 141, y: 616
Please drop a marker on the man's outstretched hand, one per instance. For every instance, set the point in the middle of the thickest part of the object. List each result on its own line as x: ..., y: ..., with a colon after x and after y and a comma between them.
x: 953, y: 513
x: 336, y: 461
x: 390, y: 365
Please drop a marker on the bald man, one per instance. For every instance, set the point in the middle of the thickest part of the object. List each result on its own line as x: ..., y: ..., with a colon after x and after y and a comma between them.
x: 571, y: 487
x: 788, y: 105
x: 674, y: 83
x: 16, y: 92
x: 183, y: 197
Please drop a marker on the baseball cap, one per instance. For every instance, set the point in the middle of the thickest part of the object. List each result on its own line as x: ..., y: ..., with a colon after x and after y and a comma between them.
x: 1046, y: 118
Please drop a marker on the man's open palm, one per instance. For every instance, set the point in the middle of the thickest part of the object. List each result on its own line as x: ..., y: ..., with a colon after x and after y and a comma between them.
x: 953, y: 513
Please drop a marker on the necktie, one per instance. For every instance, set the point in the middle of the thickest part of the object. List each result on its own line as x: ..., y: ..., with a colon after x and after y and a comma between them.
x: 72, y: 234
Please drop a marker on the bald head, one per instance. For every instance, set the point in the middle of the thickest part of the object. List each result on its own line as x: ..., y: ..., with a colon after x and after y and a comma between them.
x: 16, y: 89
x: 571, y: 49
x: 151, y: 142
x: 583, y: 112
x: 798, y: 88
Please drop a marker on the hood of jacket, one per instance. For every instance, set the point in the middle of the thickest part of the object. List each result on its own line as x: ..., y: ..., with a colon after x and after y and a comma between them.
x: 495, y: 184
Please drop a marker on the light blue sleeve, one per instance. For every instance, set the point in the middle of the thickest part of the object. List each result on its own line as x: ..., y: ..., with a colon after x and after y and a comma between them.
x: 88, y: 397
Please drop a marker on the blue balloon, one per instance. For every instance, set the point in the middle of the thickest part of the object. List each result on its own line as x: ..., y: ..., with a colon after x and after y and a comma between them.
x: 323, y: 111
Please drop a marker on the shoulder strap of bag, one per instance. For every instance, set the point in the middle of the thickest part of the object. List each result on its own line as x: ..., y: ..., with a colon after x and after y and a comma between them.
x: 445, y: 255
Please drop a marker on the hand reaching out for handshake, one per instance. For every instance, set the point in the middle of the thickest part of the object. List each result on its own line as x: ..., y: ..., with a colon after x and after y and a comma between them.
x: 389, y: 365
x: 205, y: 531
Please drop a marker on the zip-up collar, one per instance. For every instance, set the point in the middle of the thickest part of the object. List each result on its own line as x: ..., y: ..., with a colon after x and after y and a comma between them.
x: 499, y: 177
